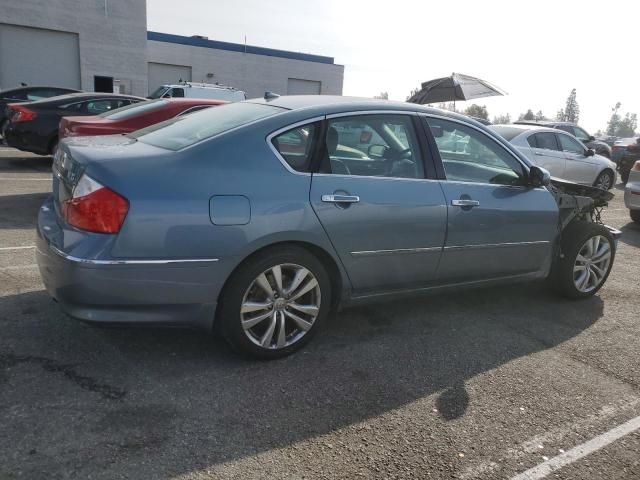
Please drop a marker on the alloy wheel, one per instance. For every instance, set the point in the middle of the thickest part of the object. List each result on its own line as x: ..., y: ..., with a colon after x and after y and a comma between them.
x: 280, y: 306
x: 592, y: 263
x: 604, y: 181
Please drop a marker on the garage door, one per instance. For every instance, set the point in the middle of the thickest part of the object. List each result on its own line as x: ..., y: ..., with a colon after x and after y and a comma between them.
x: 296, y: 86
x: 37, y: 56
x: 165, y: 73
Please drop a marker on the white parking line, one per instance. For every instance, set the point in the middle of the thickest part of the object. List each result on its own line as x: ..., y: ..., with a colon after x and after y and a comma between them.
x: 580, y: 451
x: 26, y: 179
x: 24, y: 247
x: 18, y: 267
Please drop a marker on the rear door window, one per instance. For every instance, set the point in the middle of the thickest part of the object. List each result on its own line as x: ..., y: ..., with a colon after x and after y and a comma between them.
x: 544, y: 140
x: 296, y: 146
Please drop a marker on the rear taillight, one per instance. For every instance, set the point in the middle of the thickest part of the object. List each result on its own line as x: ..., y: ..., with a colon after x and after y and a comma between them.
x: 22, y: 114
x: 95, y: 208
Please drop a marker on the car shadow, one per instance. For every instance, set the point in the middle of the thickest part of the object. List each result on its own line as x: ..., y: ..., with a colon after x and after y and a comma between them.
x: 631, y: 234
x: 26, y: 164
x: 184, y: 401
x: 21, y: 210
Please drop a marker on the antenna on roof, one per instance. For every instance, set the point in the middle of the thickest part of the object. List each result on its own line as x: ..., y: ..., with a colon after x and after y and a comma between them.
x: 270, y: 95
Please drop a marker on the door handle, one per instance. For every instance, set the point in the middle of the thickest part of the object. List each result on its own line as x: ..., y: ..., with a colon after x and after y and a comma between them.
x: 340, y: 198
x: 465, y: 203
x: 540, y: 154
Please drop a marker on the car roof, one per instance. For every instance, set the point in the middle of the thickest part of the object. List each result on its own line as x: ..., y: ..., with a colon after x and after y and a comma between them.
x: 329, y: 104
x: 544, y: 122
x: 523, y: 128
x: 193, y: 101
x: 70, y: 97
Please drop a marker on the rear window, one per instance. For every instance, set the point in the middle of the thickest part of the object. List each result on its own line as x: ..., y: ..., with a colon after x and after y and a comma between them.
x: 133, y: 110
x: 508, y: 133
x: 181, y: 132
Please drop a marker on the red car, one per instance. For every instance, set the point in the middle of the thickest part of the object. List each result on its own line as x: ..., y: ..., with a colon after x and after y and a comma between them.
x: 133, y: 117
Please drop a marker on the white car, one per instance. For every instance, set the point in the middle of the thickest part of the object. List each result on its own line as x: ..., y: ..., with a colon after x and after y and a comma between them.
x: 632, y: 192
x: 199, y: 90
x: 562, y: 154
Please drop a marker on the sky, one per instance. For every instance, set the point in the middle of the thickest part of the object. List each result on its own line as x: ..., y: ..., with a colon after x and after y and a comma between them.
x: 537, y: 51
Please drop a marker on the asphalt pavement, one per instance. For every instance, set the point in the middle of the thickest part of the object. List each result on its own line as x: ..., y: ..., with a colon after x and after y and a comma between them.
x: 484, y: 384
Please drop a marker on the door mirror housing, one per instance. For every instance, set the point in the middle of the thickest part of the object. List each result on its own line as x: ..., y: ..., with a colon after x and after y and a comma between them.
x: 590, y: 152
x: 539, y: 177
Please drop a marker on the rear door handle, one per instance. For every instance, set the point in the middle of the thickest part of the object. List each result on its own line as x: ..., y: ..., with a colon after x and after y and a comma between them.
x: 465, y: 203
x: 340, y: 198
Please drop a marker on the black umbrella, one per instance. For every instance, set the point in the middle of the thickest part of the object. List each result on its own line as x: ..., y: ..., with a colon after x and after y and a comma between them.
x: 454, y: 87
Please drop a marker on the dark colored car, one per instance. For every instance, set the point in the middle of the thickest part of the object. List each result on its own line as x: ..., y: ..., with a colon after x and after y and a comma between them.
x: 630, y: 156
x: 619, y: 148
x: 27, y: 94
x: 132, y: 117
x: 600, y: 147
x: 33, y: 126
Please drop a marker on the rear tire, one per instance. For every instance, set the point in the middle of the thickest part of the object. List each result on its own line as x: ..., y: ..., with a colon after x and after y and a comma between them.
x: 635, y: 215
x: 261, y: 312
x: 587, y: 253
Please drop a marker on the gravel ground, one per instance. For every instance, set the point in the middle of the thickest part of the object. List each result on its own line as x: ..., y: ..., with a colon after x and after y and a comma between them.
x: 484, y: 384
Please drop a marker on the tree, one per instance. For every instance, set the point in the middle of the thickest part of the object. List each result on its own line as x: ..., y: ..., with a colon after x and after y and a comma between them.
x: 527, y: 116
x: 382, y: 96
x: 413, y: 92
x: 572, y: 109
x: 560, y: 116
x: 540, y: 116
x: 614, y: 121
x: 502, y: 119
x: 627, y: 126
x: 477, y: 111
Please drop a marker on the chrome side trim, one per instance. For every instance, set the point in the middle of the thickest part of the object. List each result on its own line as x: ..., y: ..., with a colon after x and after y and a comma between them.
x: 286, y: 129
x: 370, y: 253
x: 495, y: 245
x: 87, y: 261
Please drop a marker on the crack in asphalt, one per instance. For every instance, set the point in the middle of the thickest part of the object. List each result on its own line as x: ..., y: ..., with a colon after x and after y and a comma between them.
x: 49, y: 365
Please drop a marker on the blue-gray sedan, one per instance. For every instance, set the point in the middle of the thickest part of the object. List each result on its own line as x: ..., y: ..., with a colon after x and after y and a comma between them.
x: 258, y: 218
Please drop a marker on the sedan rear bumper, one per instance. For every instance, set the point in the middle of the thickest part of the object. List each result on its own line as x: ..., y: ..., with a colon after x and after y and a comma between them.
x: 151, y: 292
x: 632, y: 195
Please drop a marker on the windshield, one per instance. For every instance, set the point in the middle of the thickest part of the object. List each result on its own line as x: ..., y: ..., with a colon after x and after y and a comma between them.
x: 180, y: 132
x: 133, y: 110
x: 158, y: 92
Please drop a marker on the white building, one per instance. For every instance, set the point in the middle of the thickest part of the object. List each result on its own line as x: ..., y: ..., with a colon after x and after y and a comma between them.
x: 101, y: 45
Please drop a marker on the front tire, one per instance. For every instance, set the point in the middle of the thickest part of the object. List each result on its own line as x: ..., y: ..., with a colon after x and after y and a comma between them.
x: 604, y: 180
x: 587, y: 253
x: 274, y: 303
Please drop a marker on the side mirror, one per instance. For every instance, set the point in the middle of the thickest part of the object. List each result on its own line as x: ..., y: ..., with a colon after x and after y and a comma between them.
x: 592, y: 138
x: 539, y: 177
x: 590, y: 152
